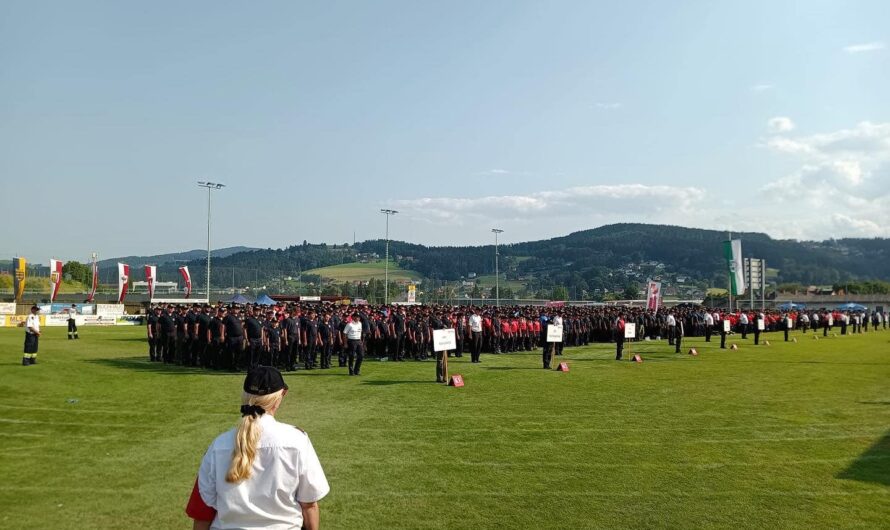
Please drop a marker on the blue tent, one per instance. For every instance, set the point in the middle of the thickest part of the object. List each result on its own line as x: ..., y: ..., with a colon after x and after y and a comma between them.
x: 791, y: 306
x: 238, y: 299
x: 850, y: 306
x: 265, y: 300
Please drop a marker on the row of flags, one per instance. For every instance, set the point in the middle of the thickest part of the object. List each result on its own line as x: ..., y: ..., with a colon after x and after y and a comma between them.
x: 20, y: 266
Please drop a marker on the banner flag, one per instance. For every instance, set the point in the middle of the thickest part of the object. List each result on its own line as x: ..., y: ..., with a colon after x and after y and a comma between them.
x: 55, y: 278
x: 21, y: 274
x: 123, y: 281
x: 151, y: 274
x: 95, y: 279
x: 653, y: 296
x: 732, y: 250
x: 412, y: 294
x: 187, y: 279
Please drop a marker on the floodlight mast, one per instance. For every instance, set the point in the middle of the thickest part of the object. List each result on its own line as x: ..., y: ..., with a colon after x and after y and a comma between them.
x: 497, y: 274
x: 387, y: 212
x: 210, y: 187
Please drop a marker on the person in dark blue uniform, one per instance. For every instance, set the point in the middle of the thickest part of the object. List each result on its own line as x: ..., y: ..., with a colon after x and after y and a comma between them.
x: 255, y: 336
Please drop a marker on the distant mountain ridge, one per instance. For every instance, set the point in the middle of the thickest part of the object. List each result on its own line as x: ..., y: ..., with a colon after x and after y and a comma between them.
x: 174, y: 257
x: 600, y: 258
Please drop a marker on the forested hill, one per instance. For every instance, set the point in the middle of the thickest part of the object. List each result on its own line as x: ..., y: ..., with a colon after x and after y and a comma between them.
x: 590, y: 256
x: 694, y: 252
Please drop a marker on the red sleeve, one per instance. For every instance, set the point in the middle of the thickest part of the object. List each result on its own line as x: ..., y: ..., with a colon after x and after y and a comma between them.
x: 196, y: 509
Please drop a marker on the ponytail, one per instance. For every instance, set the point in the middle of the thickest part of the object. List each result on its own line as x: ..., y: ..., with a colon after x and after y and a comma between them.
x: 248, y: 434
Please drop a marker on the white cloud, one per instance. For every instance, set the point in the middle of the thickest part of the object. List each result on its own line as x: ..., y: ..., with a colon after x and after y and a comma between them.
x: 842, y: 186
x: 866, y: 47
x: 575, y: 206
x: 608, y: 106
x: 762, y: 87
x: 780, y: 124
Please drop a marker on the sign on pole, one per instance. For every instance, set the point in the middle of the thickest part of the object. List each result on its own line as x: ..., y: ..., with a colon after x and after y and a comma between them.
x: 761, y: 325
x: 727, y: 326
x: 444, y: 340
x: 554, y: 333
x: 630, y: 330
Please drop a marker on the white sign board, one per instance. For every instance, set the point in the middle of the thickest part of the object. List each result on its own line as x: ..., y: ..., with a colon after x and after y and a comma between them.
x: 444, y: 340
x: 727, y: 326
x: 7, y: 308
x: 789, y: 323
x: 760, y: 324
x: 554, y: 333
x: 630, y: 330
x: 109, y: 310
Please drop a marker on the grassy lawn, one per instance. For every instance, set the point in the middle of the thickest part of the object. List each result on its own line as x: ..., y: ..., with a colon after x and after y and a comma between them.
x: 787, y: 436
x: 352, y: 272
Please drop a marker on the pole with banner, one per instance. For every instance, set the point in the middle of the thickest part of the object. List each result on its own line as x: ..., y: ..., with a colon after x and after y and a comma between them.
x: 151, y: 274
x: 732, y: 251
x: 187, y: 280
x: 653, y: 296
x: 21, y: 274
x: 95, y: 284
x: 123, y: 281
x: 55, y: 278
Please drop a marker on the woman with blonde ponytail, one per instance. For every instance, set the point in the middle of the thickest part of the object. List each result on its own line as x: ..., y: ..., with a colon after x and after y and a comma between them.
x: 261, y: 474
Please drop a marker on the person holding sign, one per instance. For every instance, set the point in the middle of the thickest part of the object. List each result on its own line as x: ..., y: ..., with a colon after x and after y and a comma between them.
x: 554, y: 337
x: 620, y: 329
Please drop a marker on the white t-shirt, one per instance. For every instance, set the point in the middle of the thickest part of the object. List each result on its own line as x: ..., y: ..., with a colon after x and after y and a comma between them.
x: 476, y: 323
x: 671, y: 320
x: 32, y: 324
x: 353, y: 331
x: 286, y: 471
x: 743, y: 319
x: 709, y: 319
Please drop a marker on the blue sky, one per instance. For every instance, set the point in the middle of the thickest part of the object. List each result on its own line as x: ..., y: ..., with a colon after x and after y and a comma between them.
x: 541, y: 118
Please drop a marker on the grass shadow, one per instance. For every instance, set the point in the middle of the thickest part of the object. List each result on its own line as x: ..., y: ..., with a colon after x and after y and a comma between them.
x: 873, y: 465
x: 511, y: 368
x: 139, y: 364
x: 390, y: 383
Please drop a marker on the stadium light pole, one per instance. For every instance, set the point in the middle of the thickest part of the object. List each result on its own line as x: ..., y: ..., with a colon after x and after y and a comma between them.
x: 387, y: 213
x: 210, y: 187
x: 497, y: 273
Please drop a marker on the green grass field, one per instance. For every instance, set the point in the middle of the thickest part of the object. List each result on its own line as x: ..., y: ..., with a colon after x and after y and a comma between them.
x: 787, y: 436
x: 354, y: 272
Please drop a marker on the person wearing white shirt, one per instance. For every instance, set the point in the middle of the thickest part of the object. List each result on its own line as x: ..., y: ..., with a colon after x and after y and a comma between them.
x: 475, y: 323
x: 709, y: 326
x: 672, y: 328
x: 354, y: 347
x: 743, y: 324
x: 32, y: 335
x: 72, y: 322
x: 261, y: 474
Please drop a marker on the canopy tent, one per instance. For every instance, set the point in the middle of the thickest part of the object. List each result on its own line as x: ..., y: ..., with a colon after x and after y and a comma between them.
x: 791, y: 306
x: 238, y: 299
x: 265, y: 300
x: 850, y: 306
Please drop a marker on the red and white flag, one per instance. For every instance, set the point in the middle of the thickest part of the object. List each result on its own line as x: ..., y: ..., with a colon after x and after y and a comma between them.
x: 95, y: 280
x: 653, y: 296
x: 151, y: 274
x: 123, y: 281
x: 55, y: 278
x: 187, y: 279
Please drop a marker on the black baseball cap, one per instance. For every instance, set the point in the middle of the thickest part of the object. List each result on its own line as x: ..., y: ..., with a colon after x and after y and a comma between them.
x: 264, y: 380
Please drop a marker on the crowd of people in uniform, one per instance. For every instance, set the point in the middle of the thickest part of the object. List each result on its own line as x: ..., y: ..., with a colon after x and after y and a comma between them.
x: 313, y: 335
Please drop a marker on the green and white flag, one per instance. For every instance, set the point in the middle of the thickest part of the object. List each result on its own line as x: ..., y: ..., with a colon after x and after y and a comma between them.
x: 733, y: 252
